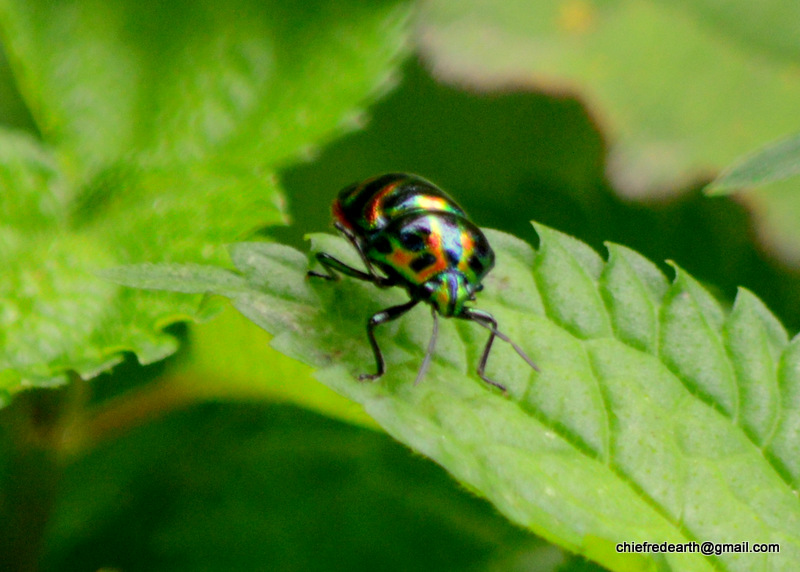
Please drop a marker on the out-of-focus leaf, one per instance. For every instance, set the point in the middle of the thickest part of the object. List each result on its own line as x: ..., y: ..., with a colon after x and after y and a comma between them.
x: 234, y: 84
x: 674, y: 86
x: 681, y: 89
x: 774, y: 162
x: 13, y: 112
x: 768, y: 27
x: 650, y: 418
x: 162, y: 125
x: 34, y: 190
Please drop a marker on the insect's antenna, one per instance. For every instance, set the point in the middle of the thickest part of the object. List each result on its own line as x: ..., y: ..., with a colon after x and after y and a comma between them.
x: 431, y: 345
x: 481, y: 321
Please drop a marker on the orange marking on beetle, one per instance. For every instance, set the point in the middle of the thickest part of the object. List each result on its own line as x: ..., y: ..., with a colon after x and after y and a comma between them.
x: 442, y: 297
x: 436, y: 248
x: 432, y: 270
x: 401, y: 258
x: 375, y: 207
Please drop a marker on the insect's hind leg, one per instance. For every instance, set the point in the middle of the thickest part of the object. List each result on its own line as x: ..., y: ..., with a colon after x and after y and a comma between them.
x: 376, y: 320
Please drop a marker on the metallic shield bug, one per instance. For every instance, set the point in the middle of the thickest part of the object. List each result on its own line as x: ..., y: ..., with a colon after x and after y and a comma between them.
x: 418, y: 238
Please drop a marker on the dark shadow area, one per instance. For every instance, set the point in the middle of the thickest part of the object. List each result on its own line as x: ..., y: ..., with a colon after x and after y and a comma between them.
x: 509, y: 158
x: 267, y: 487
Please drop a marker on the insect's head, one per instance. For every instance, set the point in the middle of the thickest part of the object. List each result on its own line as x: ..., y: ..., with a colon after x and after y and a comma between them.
x: 448, y: 291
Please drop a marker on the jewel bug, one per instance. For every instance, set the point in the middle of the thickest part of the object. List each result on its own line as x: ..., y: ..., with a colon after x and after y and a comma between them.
x: 410, y: 233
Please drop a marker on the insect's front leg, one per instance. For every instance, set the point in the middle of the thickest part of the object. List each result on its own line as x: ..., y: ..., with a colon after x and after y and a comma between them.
x: 376, y: 320
x: 332, y: 265
x: 488, y: 321
x: 377, y: 279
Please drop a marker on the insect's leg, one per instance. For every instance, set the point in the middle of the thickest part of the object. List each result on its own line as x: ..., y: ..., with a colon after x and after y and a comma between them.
x: 332, y: 265
x: 486, y: 320
x: 376, y: 320
x: 376, y: 278
x: 483, y: 318
x: 431, y: 345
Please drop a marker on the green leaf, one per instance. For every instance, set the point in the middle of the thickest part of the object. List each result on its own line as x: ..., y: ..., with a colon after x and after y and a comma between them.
x: 633, y: 288
x: 755, y: 340
x: 33, y: 189
x: 768, y: 27
x: 189, y: 278
x: 784, y: 446
x: 667, y: 417
x: 680, y: 88
x: 13, y: 112
x: 775, y: 162
x: 233, y: 83
x: 163, y: 125
x: 228, y: 359
x: 691, y: 343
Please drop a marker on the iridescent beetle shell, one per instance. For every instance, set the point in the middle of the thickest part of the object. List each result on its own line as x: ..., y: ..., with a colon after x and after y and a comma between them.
x: 367, y: 207
x: 418, y: 236
x: 420, y: 239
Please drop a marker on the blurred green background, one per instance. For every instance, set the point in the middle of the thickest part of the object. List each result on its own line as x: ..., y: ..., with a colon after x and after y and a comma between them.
x: 585, y: 116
